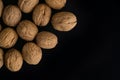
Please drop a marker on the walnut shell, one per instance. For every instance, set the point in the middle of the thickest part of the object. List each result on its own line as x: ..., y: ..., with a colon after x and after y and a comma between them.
x: 64, y: 21
x: 1, y: 7
x: 41, y: 15
x: 0, y: 27
x: 11, y: 15
x: 8, y: 38
x: 32, y: 54
x: 1, y: 57
x: 27, y: 5
x: 46, y: 40
x: 13, y: 60
x: 56, y: 4
x: 27, y: 30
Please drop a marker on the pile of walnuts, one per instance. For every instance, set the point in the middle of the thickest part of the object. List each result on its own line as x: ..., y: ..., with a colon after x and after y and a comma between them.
x: 28, y: 30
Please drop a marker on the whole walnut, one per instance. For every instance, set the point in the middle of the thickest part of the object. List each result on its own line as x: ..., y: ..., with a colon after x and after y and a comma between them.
x: 11, y: 15
x: 1, y: 57
x: 13, y: 60
x: 27, y: 5
x: 8, y: 38
x: 27, y: 30
x: 31, y: 53
x: 41, y: 15
x: 46, y: 40
x: 64, y: 21
x: 56, y: 4
x: 1, y: 7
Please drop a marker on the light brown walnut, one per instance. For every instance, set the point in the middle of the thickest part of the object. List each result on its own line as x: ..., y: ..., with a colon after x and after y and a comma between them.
x: 11, y: 15
x: 46, y: 40
x: 64, y: 21
x: 27, y: 5
x: 56, y: 4
x: 8, y: 38
x: 1, y: 58
x: 27, y: 30
x: 41, y: 15
x: 1, y: 7
x: 31, y: 53
x: 13, y: 60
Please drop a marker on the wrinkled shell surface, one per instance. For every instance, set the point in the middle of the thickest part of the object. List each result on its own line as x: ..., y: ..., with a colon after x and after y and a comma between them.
x: 56, y: 4
x: 1, y: 7
x: 13, y: 60
x: 27, y: 5
x: 41, y: 15
x: 32, y: 54
x: 1, y: 57
x: 64, y: 21
x: 11, y: 15
x: 8, y: 38
x: 46, y: 40
x: 27, y: 30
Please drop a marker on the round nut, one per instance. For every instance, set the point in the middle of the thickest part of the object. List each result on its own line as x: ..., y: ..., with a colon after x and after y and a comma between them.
x: 1, y: 57
x: 56, y: 4
x: 32, y: 54
x: 0, y: 27
x: 13, y: 60
x: 27, y: 5
x: 8, y: 38
x: 41, y: 15
x: 64, y: 21
x: 46, y: 40
x: 1, y: 7
x: 11, y: 15
x: 27, y: 30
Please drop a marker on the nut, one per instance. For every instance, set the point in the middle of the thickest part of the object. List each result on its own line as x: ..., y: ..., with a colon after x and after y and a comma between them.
x: 27, y: 5
x: 56, y: 4
x: 32, y: 54
x: 41, y: 15
x: 1, y: 7
x: 64, y: 21
x: 27, y: 30
x: 0, y: 27
x: 13, y: 60
x: 46, y: 40
x: 1, y: 57
x: 11, y: 15
x: 8, y: 38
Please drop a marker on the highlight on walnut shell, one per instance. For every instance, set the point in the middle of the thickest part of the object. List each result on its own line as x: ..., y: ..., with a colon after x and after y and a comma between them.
x: 13, y: 60
x: 41, y: 15
x: 56, y: 4
x: 64, y: 21
x: 8, y: 38
x: 27, y: 6
x: 1, y: 7
x: 27, y: 30
x: 11, y: 15
x: 46, y: 40
x: 1, y: 58
x: 31, y: 53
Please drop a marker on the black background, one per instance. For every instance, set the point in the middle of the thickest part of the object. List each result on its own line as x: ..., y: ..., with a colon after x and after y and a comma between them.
x: 83, y: 53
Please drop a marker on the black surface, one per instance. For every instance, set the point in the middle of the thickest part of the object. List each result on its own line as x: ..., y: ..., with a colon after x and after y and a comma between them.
x: 84, y: 53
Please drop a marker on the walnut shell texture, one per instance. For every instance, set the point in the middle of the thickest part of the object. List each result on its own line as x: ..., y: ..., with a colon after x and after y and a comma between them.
x: 1, y: 57
x: 8, y: 38
x: 11, y: 15
x: 27, y: 30
x: 27, y: 5
x: 1, y: 7
x: 32, y: 54
x: 13, y: 60
x: 41, y: 15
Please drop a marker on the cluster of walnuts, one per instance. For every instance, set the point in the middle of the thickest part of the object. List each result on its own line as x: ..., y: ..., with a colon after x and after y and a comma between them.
x: 28, y: 30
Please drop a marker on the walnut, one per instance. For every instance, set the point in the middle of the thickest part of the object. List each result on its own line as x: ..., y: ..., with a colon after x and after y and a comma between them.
x: 41, y: 15
x: 27, y: 30
x: 1, y: 7
x: 56, y: 4
x: 27, y: 5
x: 64, y: 21
x: 13, y: 60
x: 11, y: 15
x: 1, y: 57
x: 8, y: 38
x: 46, y: 40
x: 32, y: 54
